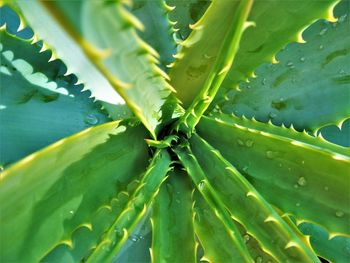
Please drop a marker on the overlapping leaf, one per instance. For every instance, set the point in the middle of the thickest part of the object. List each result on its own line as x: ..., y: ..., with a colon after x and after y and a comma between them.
x: 105, y: 33
x: 69, y: 192
x: 172, y: 221
x: 38, y: 104
x: 291, y: 165
x: 277, y: 23
x: 309, y: 88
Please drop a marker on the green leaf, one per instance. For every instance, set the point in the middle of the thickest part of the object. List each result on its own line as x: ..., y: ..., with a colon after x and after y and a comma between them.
x: 198, y: 176
x: 218, y: 244
x: 206, y: 55
x: 336, y: 249
x: 172, y: 221
x: 296, y: 168
x: 68, y: 193
x: 244, y: 202
x: 136, y: 248
x: 67, y: 49
x: 212, y: 70
x: 119, y: 54
x: 158, y: 32
x: 136, y: 208
x: 309, y: 88
x: 186, y: 13
x: 277, y: 24
x: 38, y: 105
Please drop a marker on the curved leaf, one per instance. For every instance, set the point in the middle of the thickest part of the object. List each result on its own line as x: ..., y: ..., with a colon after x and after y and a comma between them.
x: 38, y: 105
x: 244, y: 202
x: 119, y: 54
x: 66, y: 49
x: 172, y: 221
x: 68, y: 193
x: 309, y: 87
x: 157, y: 32
x: 186, y: 13
x: 136, y: 208
x: 200, y: 64
x: 218, y: 244
x: 336, y: 249
x: 277, y: 23
x: 297, y: 168
x: 198, y: 176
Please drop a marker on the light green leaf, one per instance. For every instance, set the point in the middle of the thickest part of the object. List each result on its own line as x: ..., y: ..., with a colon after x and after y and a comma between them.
x: 309, y: 88
x: 172, y: 221
x: 68, y: 193
x: 296, y: 167
x: 207, y: 60
x: 277, y: 24
x: 199, y: 178
x: 244, y: 202
x: 202, y: 64
x: 218, y: 244
x: 67, y: 49
x: 336, y: 249
x: 38, y: 104
x: 186, y: 13
x: 157, y: 28
x: 119, y: 54
x: 136, y: 208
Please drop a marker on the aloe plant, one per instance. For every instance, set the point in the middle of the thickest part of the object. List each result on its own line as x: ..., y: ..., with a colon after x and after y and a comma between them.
x: 222, y: 123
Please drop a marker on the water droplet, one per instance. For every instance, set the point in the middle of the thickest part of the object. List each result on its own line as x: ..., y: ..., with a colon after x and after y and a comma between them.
x: 342, y: 72
x: 201, y: 185
x: 302, y: 181
x: 339, y: 213
x: 302, y: 162
x: 263, y: 81
x: 342, y: 18
x: 248, y: 87
x: 259, y: 259
x: 240, y: 142
x: 246, y: 238
x: 71, y: 212
x: 320, y: 47
x: 91, y: 119
x: 177, y: 201
x: 290, y: 64
x: 323, y: 31
x: 297, y: 204
x: 134, y: 238
x: 271, y: 154
x: 326, y: 188
x: 249, y: 143
x: 245, y: 169
x: 296, y: 186
x: 207, y: 56
x: 302, y: 59
x: 272, y: 115
x: 280, y: 165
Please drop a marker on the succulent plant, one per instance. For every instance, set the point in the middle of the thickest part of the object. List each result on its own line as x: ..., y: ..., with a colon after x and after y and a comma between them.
x: 129, y: 136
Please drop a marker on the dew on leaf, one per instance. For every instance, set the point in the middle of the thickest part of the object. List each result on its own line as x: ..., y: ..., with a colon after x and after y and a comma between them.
x: 323, y: 31
x: 302, y: 59
x: 302, y: 181
x: 271, y: 154
x: 339, y: 213
x: 91, y: 119
x: 249, y: 143
x: 201, y: 185
x: 258, y: 259
x: 246, y: 238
